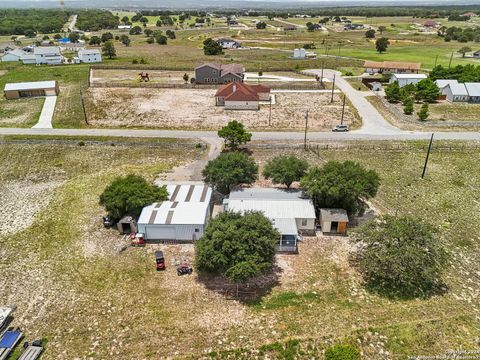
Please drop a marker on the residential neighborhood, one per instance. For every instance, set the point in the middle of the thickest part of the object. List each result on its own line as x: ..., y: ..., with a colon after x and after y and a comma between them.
x: 244, y: 180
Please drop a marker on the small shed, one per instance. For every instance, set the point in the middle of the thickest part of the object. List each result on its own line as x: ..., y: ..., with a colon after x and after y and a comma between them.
x: 127, y: 225
x: 30, y: 89
x: 333, y: 221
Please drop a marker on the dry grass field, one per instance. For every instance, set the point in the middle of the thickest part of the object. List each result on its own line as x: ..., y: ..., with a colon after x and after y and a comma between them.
x: 78, y: 286
x: 195, y: 109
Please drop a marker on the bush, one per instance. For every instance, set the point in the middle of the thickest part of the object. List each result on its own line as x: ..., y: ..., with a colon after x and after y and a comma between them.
x: 342, y: 352
x: 234, y: 134
x: 128, y: 195
x: 211, y: 47
x: 423, y: 112
x: 237, y: 246
x: 285, y: 169
x: 400, y: 257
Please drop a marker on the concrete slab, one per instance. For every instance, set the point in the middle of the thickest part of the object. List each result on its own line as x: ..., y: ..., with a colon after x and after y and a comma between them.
x: 45, y: 121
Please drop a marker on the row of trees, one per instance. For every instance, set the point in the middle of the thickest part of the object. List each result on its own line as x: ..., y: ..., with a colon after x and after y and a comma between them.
x: 95, y: 20
x: 31, y: 22
x: 462, y: 73
x: 425, y: 90
x: 459, y: 34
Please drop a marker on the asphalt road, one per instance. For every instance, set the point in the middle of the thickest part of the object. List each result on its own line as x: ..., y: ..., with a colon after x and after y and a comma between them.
x: 374, y: 126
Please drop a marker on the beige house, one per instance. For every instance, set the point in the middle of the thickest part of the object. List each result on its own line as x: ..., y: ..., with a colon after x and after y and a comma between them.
x: 240, y: 96
x: 30, y: 89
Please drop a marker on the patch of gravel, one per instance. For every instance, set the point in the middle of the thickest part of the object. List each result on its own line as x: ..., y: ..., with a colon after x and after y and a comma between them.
x: 22, y: 201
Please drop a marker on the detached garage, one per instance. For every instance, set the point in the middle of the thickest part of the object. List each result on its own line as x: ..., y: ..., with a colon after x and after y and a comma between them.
x: 333, y: 221
x: 182, y: 218
x: 30, y: 89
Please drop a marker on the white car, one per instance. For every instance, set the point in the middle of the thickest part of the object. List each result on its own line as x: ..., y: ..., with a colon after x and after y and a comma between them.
x: 340, y: 128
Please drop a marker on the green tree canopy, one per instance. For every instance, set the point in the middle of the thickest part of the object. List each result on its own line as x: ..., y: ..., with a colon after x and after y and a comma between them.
x: 234, y: 134
x: 285, y: 169
x: 95, y: 40
x: 465, y: 49
x: 211, y: 47
x: 400, y: 257
x: 107, y: 36
x: 423, y: 112
x: 108, y: 49
x: 370, y: 34
x: 128, y: 195
x: 392, y: 92
x: 136, y: 30
x: 230, y: 169
x: 427, y: 90
x: 341, y: 185
x: 237, y: 246
x: 382, y: 44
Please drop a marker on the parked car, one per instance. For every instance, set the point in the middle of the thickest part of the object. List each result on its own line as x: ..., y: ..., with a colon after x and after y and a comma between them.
x: 159, y: 260
x: 108, y: 221
x: 137, y: 239
x: 184, y: 269
x: 340, y: 128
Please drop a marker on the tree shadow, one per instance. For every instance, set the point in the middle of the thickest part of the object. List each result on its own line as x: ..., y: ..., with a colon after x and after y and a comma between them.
x: 250, y: 292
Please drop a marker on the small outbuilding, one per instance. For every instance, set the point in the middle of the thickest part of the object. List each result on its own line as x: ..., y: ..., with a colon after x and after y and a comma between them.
x: 127, y: 225
x: 182, y: 218
x: 30, y: 89
x: 407, y: 79
x: 333, y: 221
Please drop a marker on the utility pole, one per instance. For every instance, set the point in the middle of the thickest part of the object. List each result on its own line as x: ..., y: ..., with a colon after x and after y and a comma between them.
x: 83, y: 107
x: 321, y: 77
x: 270, y: 113
x: 450, y: 63
x: 333, y: 88
x: 428, y: 155
x: 343, y: 108
x: 306, y: 127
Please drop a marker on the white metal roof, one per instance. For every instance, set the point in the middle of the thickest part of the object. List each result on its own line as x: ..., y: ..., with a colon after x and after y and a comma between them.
x: 333, y: 215
x: 441, y: 83
x: 266, y: 194
x: 88, y: 52
x: 169, y: 212
x: 45, y: 50
x: 286, y: 209
x: 409, y: 76
x: 30, y: 85
x: 473, y: 89
x: 197, y: 192
x: 285, y: 226
x: 458, y: 89
x: 16, y: 52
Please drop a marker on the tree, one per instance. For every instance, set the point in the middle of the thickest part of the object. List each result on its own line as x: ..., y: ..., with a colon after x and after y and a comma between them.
x: 400, y: 257
x: 74, y: 37
x: 464, y: 50
x: 261, y: 25
x: 128, y: 195
x: 370, y: 34
x: 342, y: 352
x: 285, y: 169
x: 341, y: 185
x: 211, y: 47
x: 136, y: 30
x: 95, y: 40
x: 392, y: 92
x: 107, y: 37
x: 408, y: 106
x: 148, y: 32
x: 125, y: 20
x: 423, y: 112
x: 427, y: 90
x: 382, y: 29
x: 234, y: 134
x: 161, y: 39
x: 237, y: 246
x: 125, y: 40
x: 144, y: 21
x: 230, y: 169
x: 382, y: 44
x: 170, y: 34
x: 185, y: 78
x: 108, y: 49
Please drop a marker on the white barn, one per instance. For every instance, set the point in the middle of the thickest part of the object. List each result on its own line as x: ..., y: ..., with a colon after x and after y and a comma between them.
x: 50, y: 55
x: 182, y: 218
x: 89, y: 56
x: 406, y: 79
x: 290, y: 211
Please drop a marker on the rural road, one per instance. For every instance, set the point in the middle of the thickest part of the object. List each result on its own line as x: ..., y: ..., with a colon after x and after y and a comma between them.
x: 374, y: 126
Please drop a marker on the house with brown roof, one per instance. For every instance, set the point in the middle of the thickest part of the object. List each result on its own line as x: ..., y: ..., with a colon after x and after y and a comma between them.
x: 430, y: 24
x: 219, y: 73
x: 240, y: 96
x: 376, y: 67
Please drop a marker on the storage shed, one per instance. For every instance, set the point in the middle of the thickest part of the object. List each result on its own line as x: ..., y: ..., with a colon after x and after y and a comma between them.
x: 333, y: 221
x: 182, y: 218
x: 30, y: 89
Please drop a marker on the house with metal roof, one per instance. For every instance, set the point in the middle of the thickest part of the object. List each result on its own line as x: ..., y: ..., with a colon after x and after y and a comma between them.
x: 456, y: 92
x: 473, y: 90
x: 13, y: 55
x: 89, y: 55
x: 182, y: 218
x: 30, y: 89
x: 291, y: 212
x: 50, y: 55
x: 442, y: 83
x: 406, y: 79
x: 373, y: 67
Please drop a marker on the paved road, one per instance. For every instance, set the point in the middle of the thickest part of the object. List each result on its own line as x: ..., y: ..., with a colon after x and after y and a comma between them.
x: 372, y: 121
x: 45, y: 120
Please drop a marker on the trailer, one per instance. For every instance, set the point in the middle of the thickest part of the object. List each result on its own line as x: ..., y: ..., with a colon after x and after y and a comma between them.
x: 5, y: 316
x: 8, y: 341
x: 32, y: 351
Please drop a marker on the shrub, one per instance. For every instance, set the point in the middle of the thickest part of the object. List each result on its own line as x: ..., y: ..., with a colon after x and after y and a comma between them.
x: 342, y: 352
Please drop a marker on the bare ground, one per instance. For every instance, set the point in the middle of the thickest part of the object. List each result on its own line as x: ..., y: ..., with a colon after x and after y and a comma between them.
x: 195, y: 109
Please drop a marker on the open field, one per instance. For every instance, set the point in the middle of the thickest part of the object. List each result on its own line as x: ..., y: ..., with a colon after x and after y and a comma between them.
x: 20, y: 113
x: 447, y: 111
x: 195, y: 109
x: 76, y: 286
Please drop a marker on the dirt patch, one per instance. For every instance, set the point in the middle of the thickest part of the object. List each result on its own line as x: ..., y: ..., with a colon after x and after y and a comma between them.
x: 131, y: 76
x: 21, y: 202
x: 193, y: 108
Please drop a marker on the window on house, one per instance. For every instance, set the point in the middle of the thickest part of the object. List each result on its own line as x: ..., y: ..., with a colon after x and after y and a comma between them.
x: 197, y: 230
x: 304, y: 222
